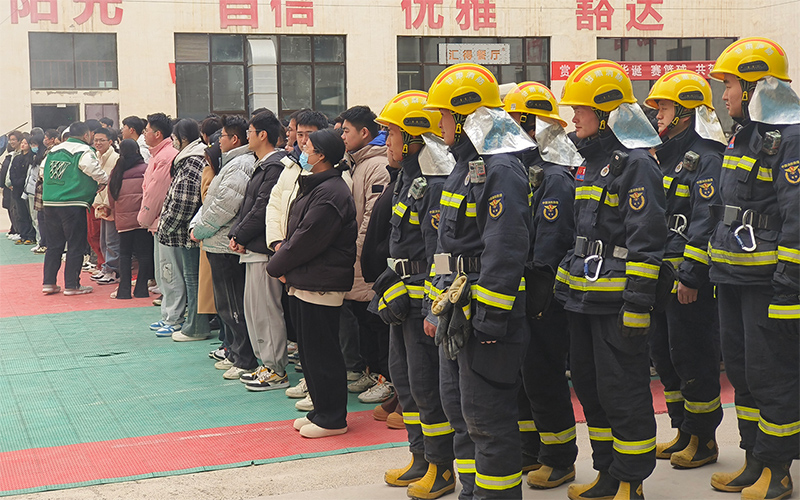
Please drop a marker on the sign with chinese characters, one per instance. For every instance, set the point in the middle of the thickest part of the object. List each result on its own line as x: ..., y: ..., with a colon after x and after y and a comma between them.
x: 472, y: 14
x: 637, y: 70
x: 481, y: 53
x: 597, y: 15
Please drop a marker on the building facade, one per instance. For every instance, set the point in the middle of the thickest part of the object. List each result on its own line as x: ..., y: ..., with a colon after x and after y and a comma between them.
x: 79, y: 59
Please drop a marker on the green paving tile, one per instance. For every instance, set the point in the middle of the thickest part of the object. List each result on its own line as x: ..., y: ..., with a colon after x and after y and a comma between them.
x: 16, y: 254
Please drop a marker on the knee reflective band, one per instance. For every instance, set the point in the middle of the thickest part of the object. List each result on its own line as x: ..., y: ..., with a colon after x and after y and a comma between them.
x: 641, y: 269
x: 696, y: 407
x: 745, y: 413
x: 600, y: 434
x: 634, y: 447
x: 465, y: 465
x: 784, y: 312
x: 497, y: 482
x: 778, y: 430
x: 440, y: 429
x: 527, y: 426
x: 411, y: 418
x: 557, y: 437
x: 673, y: 396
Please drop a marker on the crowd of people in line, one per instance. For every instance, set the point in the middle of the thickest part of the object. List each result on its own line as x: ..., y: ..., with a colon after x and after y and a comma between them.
x: 447, y: 257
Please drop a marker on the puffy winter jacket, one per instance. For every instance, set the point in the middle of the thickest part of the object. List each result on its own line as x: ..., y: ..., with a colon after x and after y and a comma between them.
x: 108, y: 161
x: 156, y: 183
x: 125, y: 208
x: 213, y: 221
x: 281, y: 196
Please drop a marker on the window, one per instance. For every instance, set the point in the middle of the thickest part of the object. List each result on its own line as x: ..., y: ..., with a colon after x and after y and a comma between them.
x: 73, y: 61
x: 214, y: 74
x: 418, y: 60
x: 668, y: 49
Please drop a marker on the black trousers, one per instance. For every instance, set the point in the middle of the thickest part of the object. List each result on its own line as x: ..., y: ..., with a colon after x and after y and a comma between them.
x: 138, y: 242
x: 66, y: 226
x: 483, y: 411
x: 317, y: 329
x: 547, y: 389
x: 414, y: 366
x: 23, y: 222
x: 762, y: 364
x: 228, y: 276
x: 373, y: 339
x: 684, y: 347
x: 611, y: 376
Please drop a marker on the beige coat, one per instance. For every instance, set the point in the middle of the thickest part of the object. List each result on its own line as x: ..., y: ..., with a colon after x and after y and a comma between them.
x: 369, y: 174
x: 102, y: 210
x: 205, y: 285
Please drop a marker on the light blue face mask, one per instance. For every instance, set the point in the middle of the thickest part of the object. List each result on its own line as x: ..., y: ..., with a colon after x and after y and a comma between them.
x: 304, y: 162
x: 35, y: 149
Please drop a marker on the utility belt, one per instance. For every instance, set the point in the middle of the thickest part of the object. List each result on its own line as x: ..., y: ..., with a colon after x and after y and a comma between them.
x: 596, y: 251
x: 677, y: 223
x: 747, y: 220
x: 448, y: 264
x: 405, y: 268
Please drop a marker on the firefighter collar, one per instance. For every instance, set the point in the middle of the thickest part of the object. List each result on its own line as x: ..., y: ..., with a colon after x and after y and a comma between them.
x: 632, y: 128
x: 435, y: 158
x: 493, y: 131
x: 554, y: 145
x: 707, y: 126
x: 774, y: 102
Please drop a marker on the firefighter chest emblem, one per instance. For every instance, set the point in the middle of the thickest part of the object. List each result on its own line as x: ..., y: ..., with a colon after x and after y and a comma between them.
x: 706, y: 188
x: 496, y: 205
x: 636, y: 198
x: 550, y: 210
x: 435, y: 215
x: 792, y: 171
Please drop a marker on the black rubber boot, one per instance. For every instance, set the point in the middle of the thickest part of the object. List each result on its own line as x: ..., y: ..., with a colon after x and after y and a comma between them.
x: 414, y: 471
x: 700, y: 452
x: 665, y: 450
x: 629, y: 491
x: 742, y: 478
x: 548, y: 477
x: 604, y: 487
x: 438, y: 481
x: 774, y: 483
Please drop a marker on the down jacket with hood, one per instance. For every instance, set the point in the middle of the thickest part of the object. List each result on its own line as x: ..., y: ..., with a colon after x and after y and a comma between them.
x: 213, y: 221
x: 125, y: 208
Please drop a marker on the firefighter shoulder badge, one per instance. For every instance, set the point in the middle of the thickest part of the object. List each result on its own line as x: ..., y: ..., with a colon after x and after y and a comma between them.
x: 550, y: 210
x: 435, y: 216
x: 636, y: 199
x: 792, y: 171
x: 496, y: 205
x: 706, y: 187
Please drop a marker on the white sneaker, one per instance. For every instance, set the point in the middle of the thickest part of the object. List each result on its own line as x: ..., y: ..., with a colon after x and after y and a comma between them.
x: 378, y: 393
x: 366, y: 381
x: 234, y: 372
x: 253, y: 376
x: 298, y: 391
x: 15, y: 237
x: 36, y: 248
x: 225, y: 364
x: 10, y: 236
x: 301, y: 422
x: 353, y: 376
x: 291, y: 347
x: 312, y: 431
x: 305, y: 404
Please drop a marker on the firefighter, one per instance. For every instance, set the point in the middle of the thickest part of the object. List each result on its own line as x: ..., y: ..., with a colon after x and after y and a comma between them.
x: 755, y: 263
x: 684, y: 342
x: 413, y: 356
x: 548, y: 433
x: 608, y: 282
x: 478, y: 309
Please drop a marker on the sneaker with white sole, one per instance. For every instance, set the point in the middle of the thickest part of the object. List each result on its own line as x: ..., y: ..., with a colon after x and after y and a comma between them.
x: 268, y: 381
x: 298, y: 391
x: 97, y: 276
x: 301, y: 422
x: 218, y: 354
x: 39, y: 250
x: 15, y: 237
x: 291, y: 347
x: 294, y: 357
x: 378, y: 393
x: 109, y: 279
x: 225, y: 364
x: 168, y: 330
x: 50, y: 289
x: 157, y: 325
x: 253, y: 376
x: 353, y: 376
x: 312, y: 431
x: 366, y: 381
x: 181, y: 337
x: 234, y: 372
x: 305, y: 404
x: 10, y: 236
x: 81, y: 290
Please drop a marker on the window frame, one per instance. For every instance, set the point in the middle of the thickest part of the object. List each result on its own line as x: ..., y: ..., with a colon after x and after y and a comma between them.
x: 74, y: 62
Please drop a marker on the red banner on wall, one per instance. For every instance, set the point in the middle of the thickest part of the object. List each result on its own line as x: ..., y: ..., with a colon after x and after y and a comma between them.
x: 637, y: 70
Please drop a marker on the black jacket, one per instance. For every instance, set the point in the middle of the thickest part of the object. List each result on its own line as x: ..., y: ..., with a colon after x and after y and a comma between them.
x: 375, y: 250
x: 7, y: 195
x: 319, y: 252
x: 18, y: 173
x: 250, y: 228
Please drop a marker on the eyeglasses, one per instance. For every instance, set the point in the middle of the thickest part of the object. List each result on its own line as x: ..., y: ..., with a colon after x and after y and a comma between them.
x: 257, y: 131
x: 226, y: 135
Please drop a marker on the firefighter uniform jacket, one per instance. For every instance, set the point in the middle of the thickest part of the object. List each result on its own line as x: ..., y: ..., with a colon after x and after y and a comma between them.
x: 759, y: 189
x: 552, y: 208
x: 486, y: 222
x: 621, y: 231
x: 691, y: 186
x: 415, y: 226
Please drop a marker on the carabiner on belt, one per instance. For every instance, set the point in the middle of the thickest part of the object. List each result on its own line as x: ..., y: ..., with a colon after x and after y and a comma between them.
x: 747, y: 224
x: 587, y: 261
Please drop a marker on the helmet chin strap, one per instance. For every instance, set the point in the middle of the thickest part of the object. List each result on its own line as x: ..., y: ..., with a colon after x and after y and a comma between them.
x: 527, y: 121
x: 680, y: 113
x: 459, y: 119
x: 409, y: 139
x: 602, y: 117
x: 747, y: 94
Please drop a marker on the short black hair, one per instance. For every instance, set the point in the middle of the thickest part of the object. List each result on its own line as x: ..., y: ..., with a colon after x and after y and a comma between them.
x: 107, y: 121
x: 210, y: 125
x: 235, y: 125
x: 35, y: 139
x: 136, y: 123
x: 268, y: 122
x: 310, y: 118
x: 51, y: 133
x: 329, y: 143
x: 294, y: 115
x: 61, y: 129
x: 186, y: 130
x: 258, y: 111
x: 110, y: 133
x: 16, y: 133
x: 362, y: 117
x: 338, y: 119
x: 160, y: 122
x: 93, y: 124
x: 78, y: 129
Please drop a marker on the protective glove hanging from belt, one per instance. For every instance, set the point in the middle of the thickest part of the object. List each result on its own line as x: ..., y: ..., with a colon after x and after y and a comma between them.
x: 453, y: 307
x: 392, y: 297
x: 634, y: 320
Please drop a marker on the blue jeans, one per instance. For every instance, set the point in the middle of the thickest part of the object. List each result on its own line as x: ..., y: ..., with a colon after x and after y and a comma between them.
x: 109, y: 245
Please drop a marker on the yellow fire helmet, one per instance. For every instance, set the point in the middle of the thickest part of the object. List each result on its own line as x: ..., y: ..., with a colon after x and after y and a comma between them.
x: 751, y: 59
x: 463, y: 88
x: 535, y: 99
x: 685, y: 87
x: 600, y: 84
x: 406, y: 111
